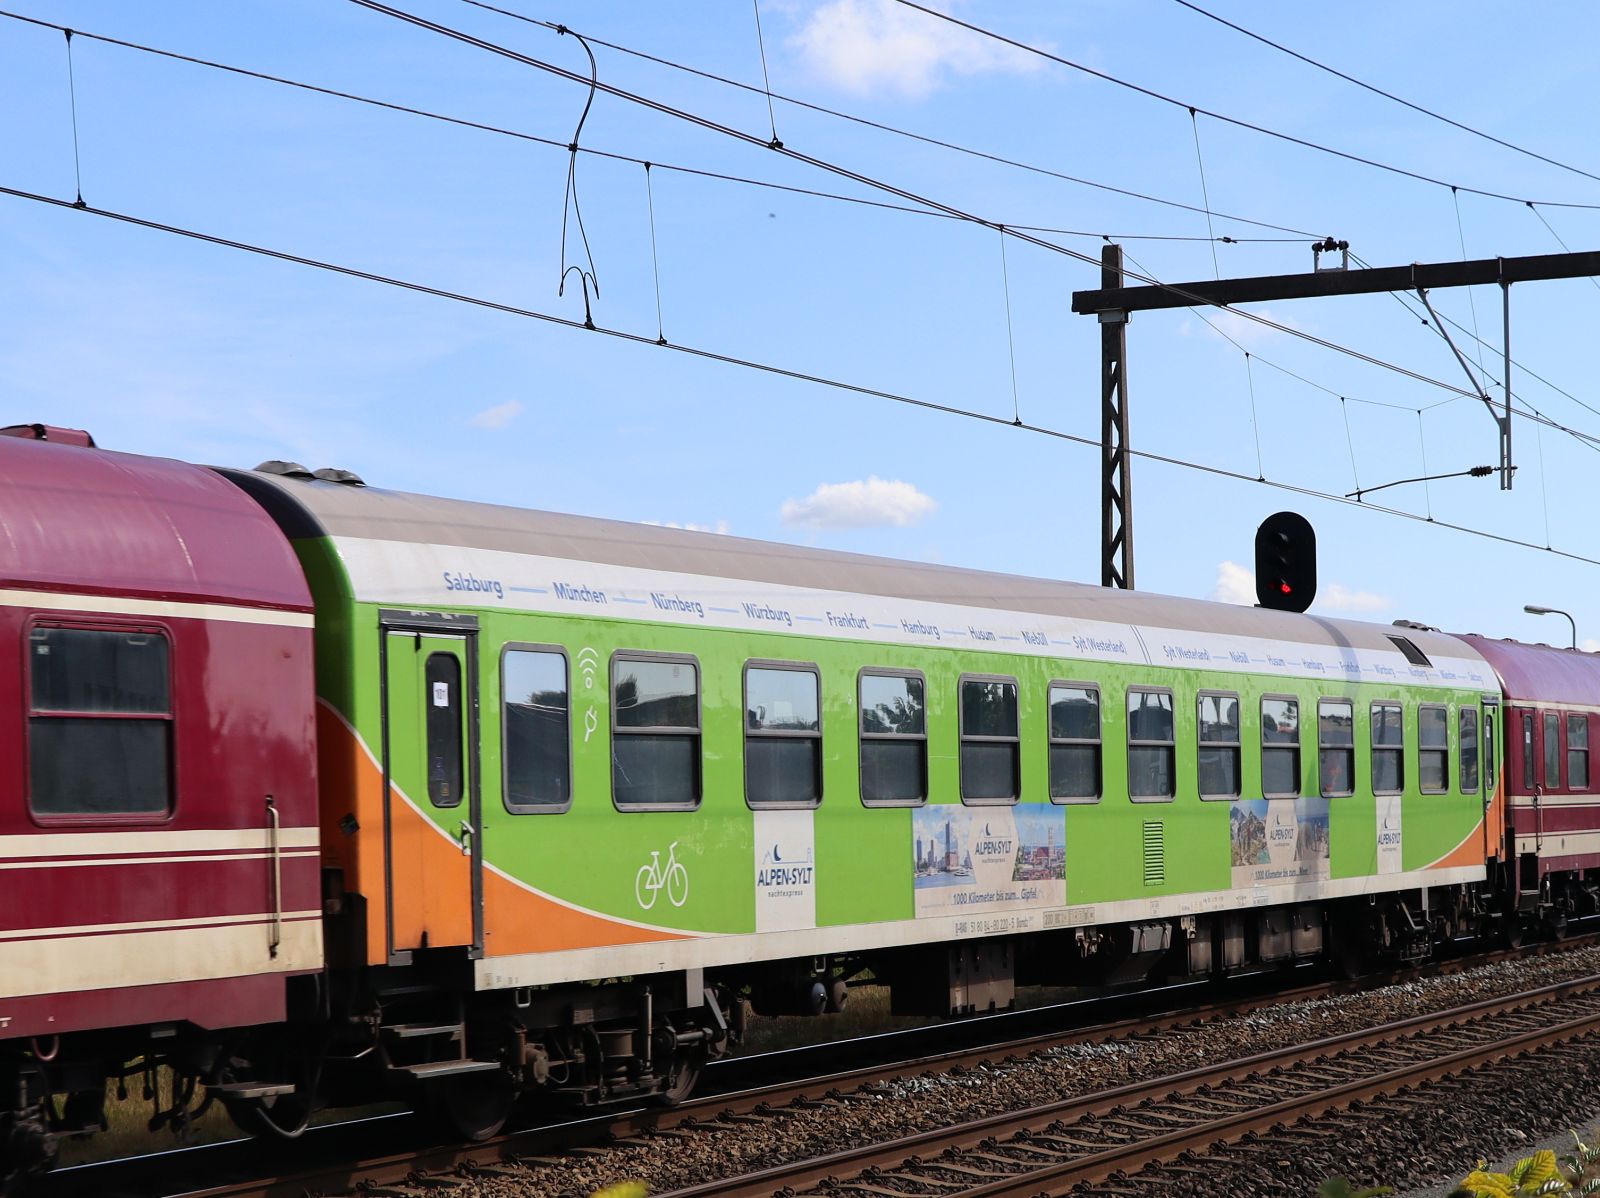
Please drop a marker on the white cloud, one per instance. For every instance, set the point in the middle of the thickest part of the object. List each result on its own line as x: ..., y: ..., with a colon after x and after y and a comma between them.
x: 720, y: 527
x: 1221, y: 325
x: 1338, y: 597
x: 865, y: 46
x: 498, y: 416
x: 1235, y: 584
x: 873, y: 503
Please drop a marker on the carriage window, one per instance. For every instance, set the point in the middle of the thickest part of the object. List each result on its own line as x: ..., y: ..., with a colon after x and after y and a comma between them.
x: 99, y: 722
x: 1219, y: 746
x: 443, y: 729
x: 1433, y: 749
x: 1469, y: 750
x: 1074, y: 743
x: 1388, y: 749
x: 655, y: 732
x: 535, y: 729
x: 894, y: 740
x: 1280, y: 747
x: 1336, y: 746
x: 1577, y: 752
x: 1552, y: 751
x: 782, y: 736
x: 1528, y: 756
x: 991, y: 742
x: 1151, y: 749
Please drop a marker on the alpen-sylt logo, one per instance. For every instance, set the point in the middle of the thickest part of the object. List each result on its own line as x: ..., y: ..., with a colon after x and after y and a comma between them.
x: 991, y: 845
x: 775, y: 871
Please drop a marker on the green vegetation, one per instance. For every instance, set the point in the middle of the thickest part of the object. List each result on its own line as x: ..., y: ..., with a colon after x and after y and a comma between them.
x: 1340, y: 1187
x: 1543, y: 1173
x: 1539, y: 1174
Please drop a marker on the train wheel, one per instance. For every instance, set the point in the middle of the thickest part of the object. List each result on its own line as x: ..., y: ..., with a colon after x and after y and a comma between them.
x: 26, y: 1148
x: 681, y: 1079
x: 469, y: 1106
x: 1511, y: 930
x: 1352, y: 957
x: 1351, y: 944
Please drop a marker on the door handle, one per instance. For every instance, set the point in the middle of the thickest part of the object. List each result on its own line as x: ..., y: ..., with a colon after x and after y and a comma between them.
x: 275, y: 847
x: 467, y: 833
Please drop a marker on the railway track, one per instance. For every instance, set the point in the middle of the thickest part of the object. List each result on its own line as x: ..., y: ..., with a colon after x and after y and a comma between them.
x: 1088, y: 1139
x: 366, y: 1152
x: 367, y: 1156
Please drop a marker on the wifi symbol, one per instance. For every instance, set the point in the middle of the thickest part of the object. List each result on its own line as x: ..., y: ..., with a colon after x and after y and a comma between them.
x: 588, y: 663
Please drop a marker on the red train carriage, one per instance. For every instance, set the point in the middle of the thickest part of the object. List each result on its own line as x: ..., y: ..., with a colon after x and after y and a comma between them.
x: 1552, y: 788
x: 158, y: 821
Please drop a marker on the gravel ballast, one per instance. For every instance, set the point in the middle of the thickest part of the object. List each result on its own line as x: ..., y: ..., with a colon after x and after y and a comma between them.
x: 1402, y: 1152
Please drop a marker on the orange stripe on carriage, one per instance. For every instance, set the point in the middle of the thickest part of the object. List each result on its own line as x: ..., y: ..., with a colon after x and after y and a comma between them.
x: 517, y: 919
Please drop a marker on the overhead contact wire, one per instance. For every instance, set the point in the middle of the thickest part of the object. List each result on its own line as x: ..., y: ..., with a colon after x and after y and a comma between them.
x: 894, y: 130
x: 763, y: 367
x: 1237, y: 122
x: 1559, y: 240
x: 881, y: 185
x: 678, y: 168
x: 1378, y: 91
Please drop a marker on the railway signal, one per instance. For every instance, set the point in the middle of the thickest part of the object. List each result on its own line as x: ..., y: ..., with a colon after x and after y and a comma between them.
x: 1286, y: 562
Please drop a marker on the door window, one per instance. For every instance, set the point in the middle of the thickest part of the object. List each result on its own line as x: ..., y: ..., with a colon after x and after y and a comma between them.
x: 443, y: 696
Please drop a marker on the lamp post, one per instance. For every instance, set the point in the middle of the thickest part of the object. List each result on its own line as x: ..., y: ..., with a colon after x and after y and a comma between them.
x: 1534, y: 609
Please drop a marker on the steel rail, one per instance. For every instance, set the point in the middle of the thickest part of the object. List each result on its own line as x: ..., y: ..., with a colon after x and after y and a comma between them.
x: 395, y: 1168
x: 800, y: 1176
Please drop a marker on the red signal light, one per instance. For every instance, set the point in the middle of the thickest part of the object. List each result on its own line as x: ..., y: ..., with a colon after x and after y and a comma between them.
x: 1285, y: 588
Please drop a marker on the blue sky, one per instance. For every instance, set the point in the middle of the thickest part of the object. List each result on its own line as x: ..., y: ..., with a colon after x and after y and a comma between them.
x: 165, y: 346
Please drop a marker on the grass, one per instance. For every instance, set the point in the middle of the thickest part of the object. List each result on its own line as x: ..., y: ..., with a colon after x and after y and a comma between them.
x: 128, y: 1125
x: 866, y: 1014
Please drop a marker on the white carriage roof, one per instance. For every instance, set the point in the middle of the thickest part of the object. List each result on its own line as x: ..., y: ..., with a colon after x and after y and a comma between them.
x: 374, y: 528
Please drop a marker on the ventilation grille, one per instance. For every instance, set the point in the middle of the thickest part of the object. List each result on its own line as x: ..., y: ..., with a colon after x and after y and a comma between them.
x: 1155, y: 853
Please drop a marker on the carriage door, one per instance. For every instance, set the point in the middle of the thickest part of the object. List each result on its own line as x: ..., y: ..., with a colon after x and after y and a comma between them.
x: 1489, y: 778
x: 432, y: 800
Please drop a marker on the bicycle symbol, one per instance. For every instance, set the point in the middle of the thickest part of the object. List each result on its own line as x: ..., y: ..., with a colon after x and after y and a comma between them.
x: 653, y: 879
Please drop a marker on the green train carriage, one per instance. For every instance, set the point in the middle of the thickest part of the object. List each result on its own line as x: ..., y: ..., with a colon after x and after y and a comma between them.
x: 584, y: 781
